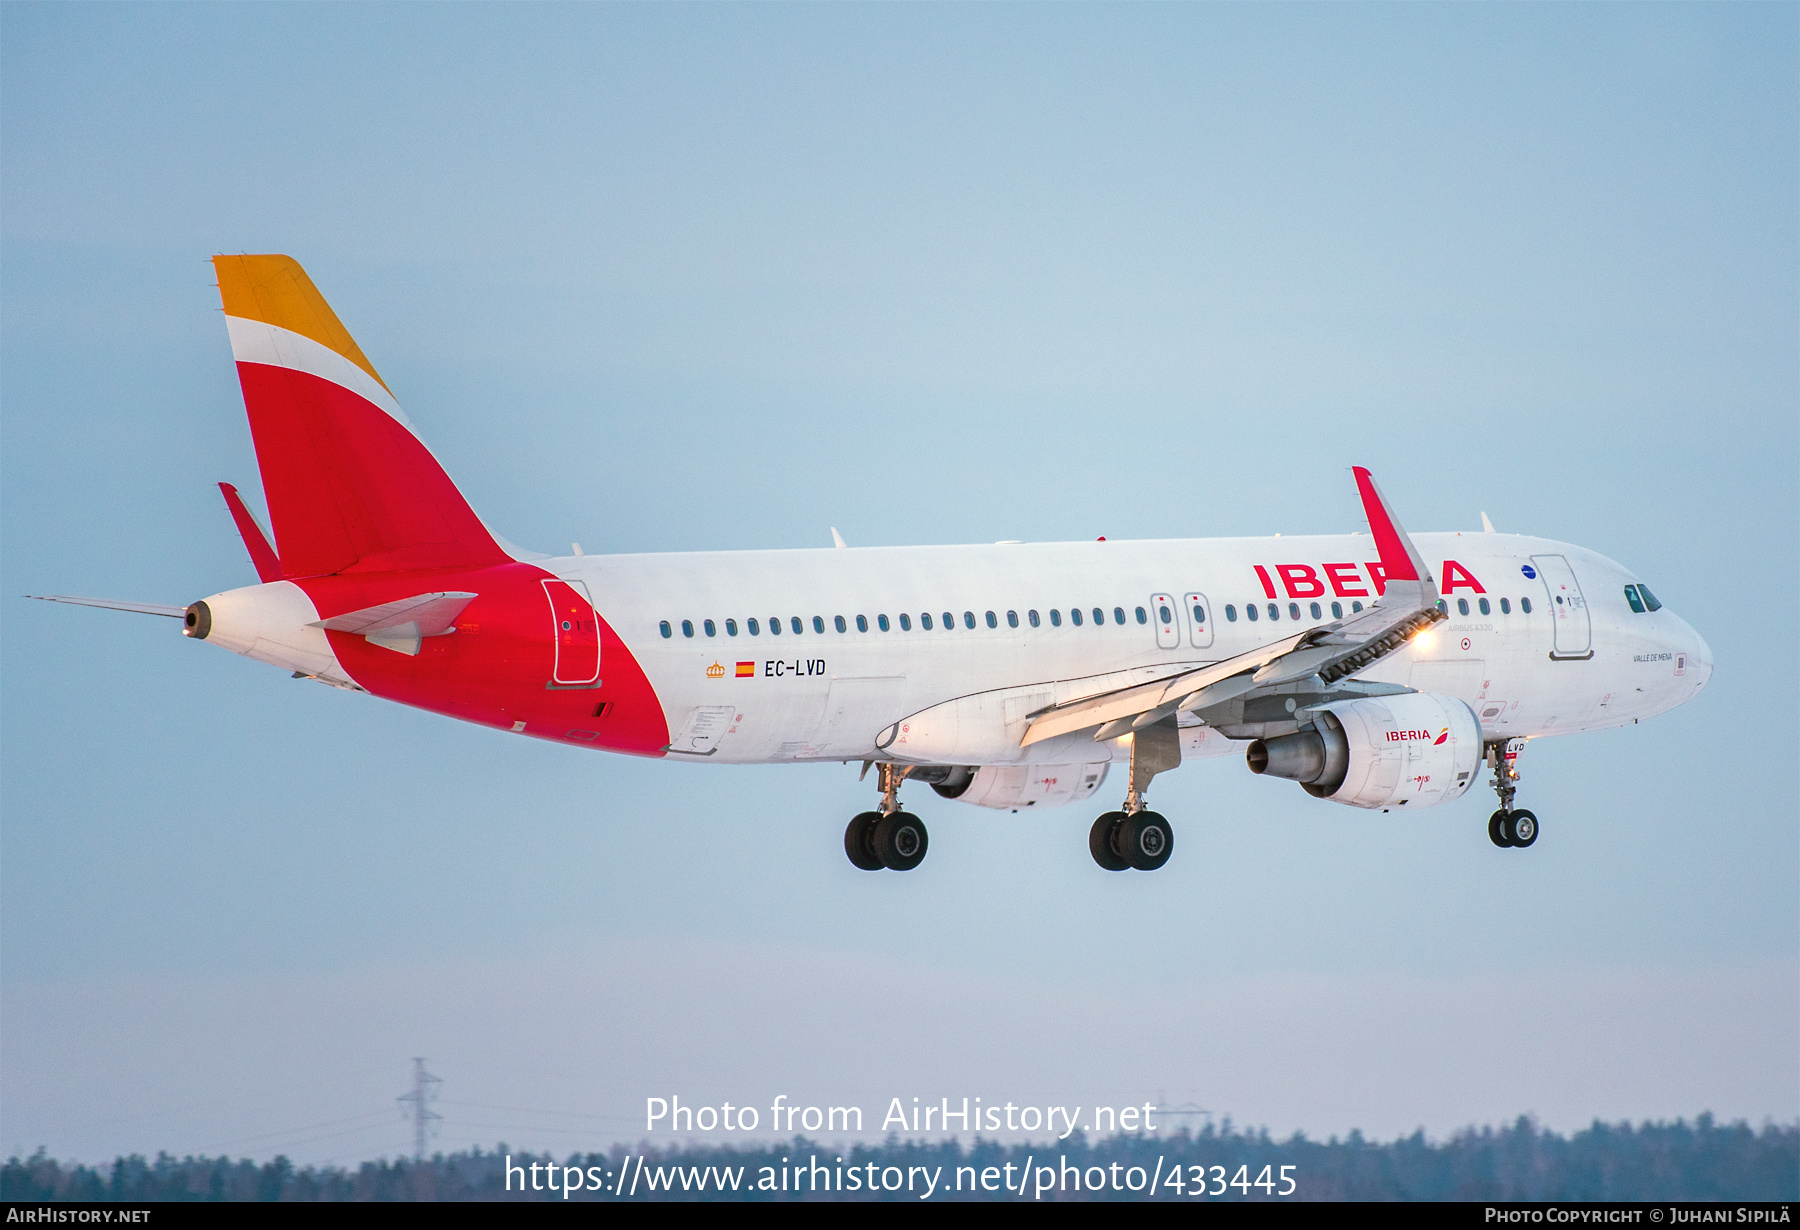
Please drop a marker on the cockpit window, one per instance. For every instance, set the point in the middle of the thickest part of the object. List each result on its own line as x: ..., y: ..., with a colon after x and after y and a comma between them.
x: 1649, y: 598
x: 1631, y: 596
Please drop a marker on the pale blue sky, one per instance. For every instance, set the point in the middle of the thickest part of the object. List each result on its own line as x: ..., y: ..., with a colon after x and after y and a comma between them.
x: 670, y: 278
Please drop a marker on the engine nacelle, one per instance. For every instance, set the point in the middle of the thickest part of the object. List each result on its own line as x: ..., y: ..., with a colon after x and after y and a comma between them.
x: 1017, y: 786
x: 1418, y: 750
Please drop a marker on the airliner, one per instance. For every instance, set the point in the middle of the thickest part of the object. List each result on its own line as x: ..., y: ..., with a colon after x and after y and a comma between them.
x: 1375, y: 669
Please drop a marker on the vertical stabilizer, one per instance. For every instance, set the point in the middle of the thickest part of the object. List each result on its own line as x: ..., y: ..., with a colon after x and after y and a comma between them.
x: 349, y: 485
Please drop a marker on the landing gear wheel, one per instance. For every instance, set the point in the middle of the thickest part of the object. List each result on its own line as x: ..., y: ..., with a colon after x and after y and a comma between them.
x: 1497, y: 830
x: 1522, y: 828
x: 1100, y: 842
x: 1145, y: 840
x: 857, y: 843
x: 899, y: 841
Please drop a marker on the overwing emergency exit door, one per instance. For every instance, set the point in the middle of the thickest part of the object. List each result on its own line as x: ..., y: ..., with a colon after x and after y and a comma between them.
x: 1167, y: 618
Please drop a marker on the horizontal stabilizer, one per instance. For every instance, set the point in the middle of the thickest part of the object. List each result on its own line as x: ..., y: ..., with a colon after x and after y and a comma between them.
x: 432, y: 614
x: 136, y: 608
x: 268, y: 564
x: 399, y: 625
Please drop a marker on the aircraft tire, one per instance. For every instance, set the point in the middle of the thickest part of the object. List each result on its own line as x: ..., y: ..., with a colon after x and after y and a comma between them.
x: 1146, y: 840
x: 1522, y: 828
x: 900, y: 841
x: 1497, y: 830
x: 857, y: 843
x: 1100, y: 842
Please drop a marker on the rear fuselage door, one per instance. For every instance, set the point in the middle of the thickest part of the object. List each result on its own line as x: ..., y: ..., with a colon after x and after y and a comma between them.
x: 1568, y: 609
x: 1199, y: 616
x: 577, y: 633
x: 1166, y: 617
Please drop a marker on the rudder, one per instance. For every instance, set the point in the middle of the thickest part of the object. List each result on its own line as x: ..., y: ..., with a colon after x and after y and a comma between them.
x: 349, y: 485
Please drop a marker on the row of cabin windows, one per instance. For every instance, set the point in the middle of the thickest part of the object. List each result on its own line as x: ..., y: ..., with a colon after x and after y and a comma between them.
x: 1641, y: 599
x: 1486, y: 608
x: 905, y: 622
x: 1317, y: 611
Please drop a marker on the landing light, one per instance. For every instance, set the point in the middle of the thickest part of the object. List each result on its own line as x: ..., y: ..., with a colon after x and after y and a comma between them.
x: 1424, y: 639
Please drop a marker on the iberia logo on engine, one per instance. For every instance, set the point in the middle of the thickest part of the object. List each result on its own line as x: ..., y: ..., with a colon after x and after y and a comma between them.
x: 1401, y: 736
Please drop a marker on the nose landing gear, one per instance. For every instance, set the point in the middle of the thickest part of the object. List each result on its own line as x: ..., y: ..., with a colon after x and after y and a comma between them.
x: 1508, y: 828
x: 889, y: 838
x: 1138, y: 838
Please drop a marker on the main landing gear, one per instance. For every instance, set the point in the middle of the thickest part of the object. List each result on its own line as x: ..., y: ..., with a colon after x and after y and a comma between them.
x: 1138, y: 838
x: 889, y: 838
x: 1507, y: 827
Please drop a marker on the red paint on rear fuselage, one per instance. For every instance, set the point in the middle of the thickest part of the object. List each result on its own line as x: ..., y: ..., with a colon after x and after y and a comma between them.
x: 496, y: 668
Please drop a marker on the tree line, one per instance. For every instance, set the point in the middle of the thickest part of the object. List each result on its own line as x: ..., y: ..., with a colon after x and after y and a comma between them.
x: 1679, y: 1161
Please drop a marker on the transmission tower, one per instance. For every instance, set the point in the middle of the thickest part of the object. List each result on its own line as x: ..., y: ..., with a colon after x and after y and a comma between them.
x: 416, y: 1106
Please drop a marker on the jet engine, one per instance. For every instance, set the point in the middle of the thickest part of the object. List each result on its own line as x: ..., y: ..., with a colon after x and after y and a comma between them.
x: 1415, y: 749
x: 1015, y: 786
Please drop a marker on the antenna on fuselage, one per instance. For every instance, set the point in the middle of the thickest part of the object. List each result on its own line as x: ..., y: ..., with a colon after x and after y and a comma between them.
x: 1487, y: 527
x: 837, y: 539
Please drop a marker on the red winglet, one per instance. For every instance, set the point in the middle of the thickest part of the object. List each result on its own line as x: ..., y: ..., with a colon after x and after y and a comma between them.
x: 1398, y: 559
x: 268, y: 565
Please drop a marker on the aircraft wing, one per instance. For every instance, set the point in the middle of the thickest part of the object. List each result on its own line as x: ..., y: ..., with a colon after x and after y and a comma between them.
x: 1330, y: 653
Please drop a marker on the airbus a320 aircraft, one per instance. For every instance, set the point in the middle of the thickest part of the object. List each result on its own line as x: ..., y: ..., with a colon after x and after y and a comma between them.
x: 1378, y: 670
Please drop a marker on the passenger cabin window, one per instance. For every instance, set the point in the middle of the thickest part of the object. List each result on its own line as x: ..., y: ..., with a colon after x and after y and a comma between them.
x: 795, y: 624
x: 711, y: 630
x: 1649, y: 598
x: 1165, y: 614
x: 1142, y: 617
x: 1482, y: 605
x: 1055, y: 618
x: 666, y: 630
x: 992, y: 621
x: 969, y: 620
x: 905, y: 623
x: 1012, y: 619
x: 1274, y: 611
x: 1031, y: 617
x: 1293, y: 610
x: 1462, y: 606
x: 1337, y: 610
x: 862, y: 623
x: 1075, y: 616
x: 838, y: 622
x: 1199, y: 613
x: 731, y: 627
x: 1100, y: 617
x: 752, y: 625
x: 1525, y: 605
x: 1506, y: 606
x: 687, y: 627
x: 819, y: 624
x: 1230, y: 613
x: 1355, y: 606
x: 1317, y: 613
x: 925, y: 621
x: 1119, y: 614
x: 1250, y: 612
x: 950, y: 621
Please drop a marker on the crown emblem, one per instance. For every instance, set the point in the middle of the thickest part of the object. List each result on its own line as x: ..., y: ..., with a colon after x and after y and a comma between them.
x: 715, y: 671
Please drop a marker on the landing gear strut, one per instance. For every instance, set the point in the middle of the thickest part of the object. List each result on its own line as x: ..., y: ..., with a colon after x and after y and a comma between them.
x: 888, y: 838
x: 1507, y: 827
x: 1137, y: 837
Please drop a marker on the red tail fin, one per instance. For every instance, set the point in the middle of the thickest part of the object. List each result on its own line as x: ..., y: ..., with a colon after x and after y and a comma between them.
x: 349, y: 486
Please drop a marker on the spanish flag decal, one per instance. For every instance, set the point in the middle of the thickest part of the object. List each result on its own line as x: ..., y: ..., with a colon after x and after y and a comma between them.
x: 746, y: 670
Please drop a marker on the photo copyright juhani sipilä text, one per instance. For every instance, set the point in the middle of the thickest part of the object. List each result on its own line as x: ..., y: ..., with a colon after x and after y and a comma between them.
x: 1034, y: 1178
